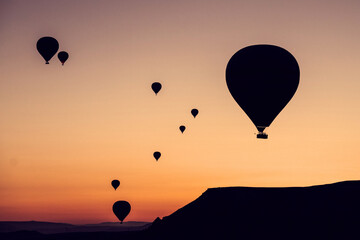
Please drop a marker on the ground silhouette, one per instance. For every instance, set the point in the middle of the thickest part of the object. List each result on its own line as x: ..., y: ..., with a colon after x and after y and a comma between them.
x: 51, y: 227
x: 319, y: 212
x: 329, y: 211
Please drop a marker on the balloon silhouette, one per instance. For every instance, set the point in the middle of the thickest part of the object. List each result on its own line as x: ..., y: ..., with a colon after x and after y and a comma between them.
x: 47, y: 47
x: 115, y: 183
x: 156, y: 86
x: 182, y: 128
x: 157, y: 155
x: 121, y: 209
x: 194, y: 112
x: 63, y: 56
x: 262, y: 79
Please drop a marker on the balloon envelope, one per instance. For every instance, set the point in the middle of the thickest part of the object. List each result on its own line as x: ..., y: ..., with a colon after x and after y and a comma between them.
x: 156, y: 86
x: 47, y: 47
x: 262, y: 79
x: 121, y: 209
x: 115, y: 183
x: 194, y: 112
x: 157, y: 155
x: 63, y: 56
x: 182, y: 128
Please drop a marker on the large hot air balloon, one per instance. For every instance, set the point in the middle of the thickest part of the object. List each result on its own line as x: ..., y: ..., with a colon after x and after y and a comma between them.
x: 156, y: 87
x: 47, y: 47
x: 182, y: 128
x: 121, y: 209
x: 115, y: 183
x: 194, y: 112
x: 157, y: 155
x: 262, y: 79
x: 63, y: 56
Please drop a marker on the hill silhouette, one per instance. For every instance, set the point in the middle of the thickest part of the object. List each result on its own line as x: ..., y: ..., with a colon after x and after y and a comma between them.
x: 329, y: 211
x: 51, y: 227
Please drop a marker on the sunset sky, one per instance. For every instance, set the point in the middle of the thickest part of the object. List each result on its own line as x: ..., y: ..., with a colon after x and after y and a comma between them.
x: 67, y: 131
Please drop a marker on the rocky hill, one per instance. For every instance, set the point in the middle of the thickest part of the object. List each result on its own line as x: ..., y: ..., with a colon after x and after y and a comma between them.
x: 329, y: 211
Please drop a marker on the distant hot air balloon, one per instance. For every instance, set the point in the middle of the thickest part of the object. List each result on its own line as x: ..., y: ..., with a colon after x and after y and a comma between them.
x: 182, y: 128
x: 115, y: 183
x: 121, y: 209
x: 47, y: 47
x: 156, y: 86
x: 194, y: 112
x: 157, y: 155
x: 262, y: 79
x: 63, y: 56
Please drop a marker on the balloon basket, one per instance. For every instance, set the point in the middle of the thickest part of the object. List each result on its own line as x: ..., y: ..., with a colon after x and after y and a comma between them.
x: 262, y: 136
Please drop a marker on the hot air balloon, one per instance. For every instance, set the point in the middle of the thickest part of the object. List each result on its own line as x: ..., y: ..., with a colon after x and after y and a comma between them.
x: 194, y: 112
x: 156, y: 86
x: 121, y: 209
x: 157, y: 155
x: 47, y: 47
x: 182, y: 128
x: 63, y: 56
x: 262, y: 79
x: 115, y: 183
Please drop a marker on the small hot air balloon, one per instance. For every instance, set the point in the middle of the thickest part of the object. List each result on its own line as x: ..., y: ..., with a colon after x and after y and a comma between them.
x: 121, y: 209
x: 262, y: 79
x: 47, y: 47
x: 115, y: 183
x: 63, y: 56
x: 157, y: 155
x: 182, y: 128
x: 194, y: 112
x: 156, y: 87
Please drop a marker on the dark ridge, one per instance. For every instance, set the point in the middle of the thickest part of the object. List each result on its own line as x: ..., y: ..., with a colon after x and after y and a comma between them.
x: 326, y: 212
x: 128, y: 223
x: 45, y: 227
x: 21, y: 235
x: 52, y: 228
x: 329, y: 211
x: 32, y: 235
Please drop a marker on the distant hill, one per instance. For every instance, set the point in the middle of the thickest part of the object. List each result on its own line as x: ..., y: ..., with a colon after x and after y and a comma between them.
x: 44, y: 227
x: 49, y: 227
x: 118, y: 224
x: 329, y: 211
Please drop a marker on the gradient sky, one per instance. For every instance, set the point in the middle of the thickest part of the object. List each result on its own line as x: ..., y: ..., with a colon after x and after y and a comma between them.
x: 66, y: 132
